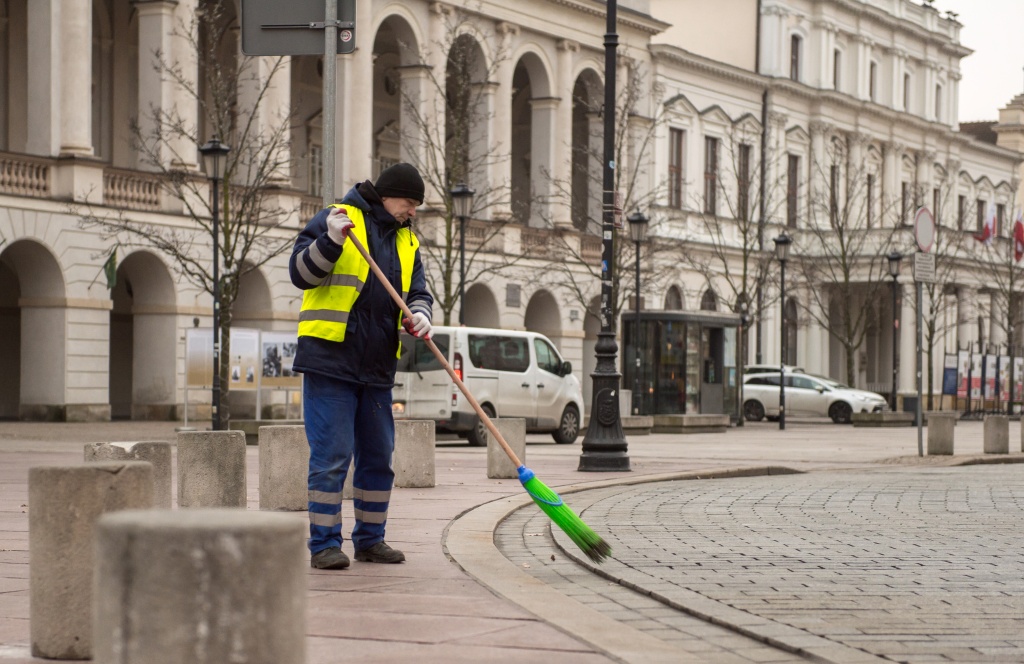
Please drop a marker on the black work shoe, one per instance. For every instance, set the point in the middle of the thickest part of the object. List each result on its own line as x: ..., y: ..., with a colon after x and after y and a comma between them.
x: 380, y: 553
x: 332, y: 558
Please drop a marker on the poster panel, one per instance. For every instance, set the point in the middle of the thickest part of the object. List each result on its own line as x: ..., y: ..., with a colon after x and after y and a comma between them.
x: 245, y: 348
x: 976, y: 362
x: 1004, y: 378
x: 963, y: 363
x: 1018, y: 378
x: 950, y: 379
x: 278, y: 353
x: 990, y: 377
x: 199, y: 357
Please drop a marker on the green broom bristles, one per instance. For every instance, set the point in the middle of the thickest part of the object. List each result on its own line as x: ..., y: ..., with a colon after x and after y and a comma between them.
x: 552, y: 505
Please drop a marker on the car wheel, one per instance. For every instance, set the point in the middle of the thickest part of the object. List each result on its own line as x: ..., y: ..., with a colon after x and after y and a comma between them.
x: 478, y: 434
x: 568, y: 427
x: 840, y: 412
x: 753, y: 411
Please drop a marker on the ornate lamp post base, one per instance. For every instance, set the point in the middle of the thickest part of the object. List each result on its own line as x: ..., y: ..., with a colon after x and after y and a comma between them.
x: 604, y: 446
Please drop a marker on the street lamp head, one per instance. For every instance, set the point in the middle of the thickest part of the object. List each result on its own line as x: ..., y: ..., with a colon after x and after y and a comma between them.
x: 782, y: 246
x: 462, y: 200
x: 894, y: 263
x: 215, y: 154
x: 638, y: 224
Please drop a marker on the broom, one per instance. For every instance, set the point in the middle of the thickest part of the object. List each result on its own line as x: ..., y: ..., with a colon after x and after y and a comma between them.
x: 549, y: 501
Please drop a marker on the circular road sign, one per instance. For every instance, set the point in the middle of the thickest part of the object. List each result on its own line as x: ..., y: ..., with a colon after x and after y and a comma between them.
x: 924, y: 229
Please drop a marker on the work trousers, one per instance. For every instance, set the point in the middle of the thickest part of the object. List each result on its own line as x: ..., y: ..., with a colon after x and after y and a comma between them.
x: 347, y: 422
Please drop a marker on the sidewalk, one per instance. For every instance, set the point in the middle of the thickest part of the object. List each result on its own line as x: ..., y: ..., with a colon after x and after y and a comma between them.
x: 450, y: 601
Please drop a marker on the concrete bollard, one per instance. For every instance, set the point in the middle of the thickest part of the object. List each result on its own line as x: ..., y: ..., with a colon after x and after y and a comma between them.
x: 156, y: 453
x: 997, y: 434
x: 64, y: 503
x: 211, y: 469
x: 204, y: 586
x: 499, y: 466
x: 284, y: 468
x: 941, y: 426
x: 414, y: 453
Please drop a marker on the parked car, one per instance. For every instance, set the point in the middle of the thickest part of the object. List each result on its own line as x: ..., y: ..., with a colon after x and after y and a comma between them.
x: 509, y: 373
x: 769, y: 368
x: 807, y: 395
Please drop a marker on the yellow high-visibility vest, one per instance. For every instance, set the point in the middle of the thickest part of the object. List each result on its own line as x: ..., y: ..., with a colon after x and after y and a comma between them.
x: 325, y: 309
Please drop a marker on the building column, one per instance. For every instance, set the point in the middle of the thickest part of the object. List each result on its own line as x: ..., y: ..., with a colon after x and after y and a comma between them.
x: 891, y: 180
x: 501, y: 137
x: 562, y: 208
x: 270, y: 78
x: 543, y: 147
x: 817, y: 189
x: 157, y: 21
x: 354, y: 120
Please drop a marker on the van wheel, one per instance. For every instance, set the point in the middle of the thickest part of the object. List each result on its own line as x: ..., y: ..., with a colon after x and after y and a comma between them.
x: 568, y: 427
x: 478, y: 434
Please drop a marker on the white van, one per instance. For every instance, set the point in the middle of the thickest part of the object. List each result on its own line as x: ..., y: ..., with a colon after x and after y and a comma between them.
x: 510, y: 374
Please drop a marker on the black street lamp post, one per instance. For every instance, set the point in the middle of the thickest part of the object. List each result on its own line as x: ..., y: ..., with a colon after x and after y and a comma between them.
x: 604, y: 446
x: 462, y: 205
x: 894, y: 271
x: 638, y: 224
x: 782, y: 244
x: 215, y: 155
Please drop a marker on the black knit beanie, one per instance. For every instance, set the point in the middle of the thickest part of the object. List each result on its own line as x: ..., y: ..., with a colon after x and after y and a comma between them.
x: 400, y: 181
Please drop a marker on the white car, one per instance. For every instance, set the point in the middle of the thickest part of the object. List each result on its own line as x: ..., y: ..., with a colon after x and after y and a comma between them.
x: 807, y: 395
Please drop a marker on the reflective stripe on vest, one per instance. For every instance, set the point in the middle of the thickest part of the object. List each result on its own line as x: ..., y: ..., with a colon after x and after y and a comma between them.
x: 325, y: 309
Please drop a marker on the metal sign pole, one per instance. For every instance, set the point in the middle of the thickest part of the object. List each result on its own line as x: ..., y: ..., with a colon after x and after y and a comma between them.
x: 330, y: 96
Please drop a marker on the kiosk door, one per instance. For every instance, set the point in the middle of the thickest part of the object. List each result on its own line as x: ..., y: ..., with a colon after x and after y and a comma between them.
x: 712, y: 394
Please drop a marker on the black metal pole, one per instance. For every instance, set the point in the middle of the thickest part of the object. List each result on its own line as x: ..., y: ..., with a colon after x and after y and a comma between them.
x: 604, y: 446
x: 782, y: 354
x: 462, y: 270
x: 895, y: 340
x: 216, y: 306
x: 636, y: 337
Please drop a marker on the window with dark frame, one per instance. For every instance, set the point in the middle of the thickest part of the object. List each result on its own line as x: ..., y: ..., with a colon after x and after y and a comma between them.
x: 795, y: 44
x: 1000, y: 214
x: 710, y: 175
x: 936, y: 199
x: 961, y: 211
x: 872, y: 80
x: 743, y: 183
x: 906, y: 92
x: 904, y: 201
x: 833, y: 194
x: 938, y: 103
x: 837, y: 68
x: 871, y: 200
x: 792, y: 189
x: 676, y: 163
x: 979, y: 214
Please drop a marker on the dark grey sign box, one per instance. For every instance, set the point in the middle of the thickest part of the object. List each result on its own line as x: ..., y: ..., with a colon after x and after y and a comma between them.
x: 273, y: 27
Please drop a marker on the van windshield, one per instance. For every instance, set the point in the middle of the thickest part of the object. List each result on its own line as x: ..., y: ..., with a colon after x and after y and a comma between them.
x: 417, y: 357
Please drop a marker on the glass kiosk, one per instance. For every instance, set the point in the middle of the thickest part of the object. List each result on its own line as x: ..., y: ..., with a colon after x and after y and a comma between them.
x: 688, y: 362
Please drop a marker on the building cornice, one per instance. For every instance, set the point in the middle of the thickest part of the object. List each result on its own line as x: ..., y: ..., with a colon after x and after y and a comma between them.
x: 624, y: 16
x: 692, y: 61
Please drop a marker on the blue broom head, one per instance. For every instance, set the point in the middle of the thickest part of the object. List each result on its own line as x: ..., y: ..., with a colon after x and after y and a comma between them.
x: 551, y: 504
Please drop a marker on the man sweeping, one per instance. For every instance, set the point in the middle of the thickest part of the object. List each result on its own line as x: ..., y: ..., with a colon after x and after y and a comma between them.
x: 348, y: 350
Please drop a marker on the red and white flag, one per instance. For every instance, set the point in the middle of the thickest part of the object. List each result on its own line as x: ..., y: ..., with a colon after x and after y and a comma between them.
x: 1018, y: 237
x: 988, y: 231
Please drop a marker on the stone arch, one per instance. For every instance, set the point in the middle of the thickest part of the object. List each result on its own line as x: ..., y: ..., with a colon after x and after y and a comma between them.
x: 143, y: 340
x: 533, y: 120
x: 709, y: 300
x: 543, y: 315
x: 586, y: 149
x: 395, y: 46
x: 674, y: 299
x: 33, y: 318
x: 481, y: 307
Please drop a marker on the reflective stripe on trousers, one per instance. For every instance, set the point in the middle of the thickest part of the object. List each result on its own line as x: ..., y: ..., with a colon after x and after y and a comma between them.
x: 344, y: 422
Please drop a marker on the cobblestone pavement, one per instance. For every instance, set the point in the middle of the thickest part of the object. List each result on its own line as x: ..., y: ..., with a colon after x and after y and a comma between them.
x: 907, y: 564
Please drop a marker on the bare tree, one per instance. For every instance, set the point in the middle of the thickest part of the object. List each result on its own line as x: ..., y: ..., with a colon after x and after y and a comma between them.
x: 444, y: 134
x: 840, y: 258
x: 248, y: 221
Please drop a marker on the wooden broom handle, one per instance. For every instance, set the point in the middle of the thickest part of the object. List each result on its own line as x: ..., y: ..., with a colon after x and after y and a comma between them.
x: 437, y: 353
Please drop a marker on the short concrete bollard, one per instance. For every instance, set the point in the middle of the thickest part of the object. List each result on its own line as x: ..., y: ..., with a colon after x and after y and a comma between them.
x: 64, y: 503
x: 284, y: 468
x: 414, y: 453
x: 156, y: 453
x: 997, y: 434
x: 499, y: 466
x: 941, y: 426
x: 211, y: 469
x: 204, y: 586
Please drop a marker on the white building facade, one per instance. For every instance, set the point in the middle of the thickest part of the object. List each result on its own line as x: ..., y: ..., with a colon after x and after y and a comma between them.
x: 877, y: 77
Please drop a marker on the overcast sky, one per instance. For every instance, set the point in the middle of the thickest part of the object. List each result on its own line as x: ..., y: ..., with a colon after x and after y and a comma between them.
x: 994, y: 73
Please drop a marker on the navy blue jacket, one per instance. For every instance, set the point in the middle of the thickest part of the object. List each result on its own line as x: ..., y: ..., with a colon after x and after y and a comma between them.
x: 368, y: 353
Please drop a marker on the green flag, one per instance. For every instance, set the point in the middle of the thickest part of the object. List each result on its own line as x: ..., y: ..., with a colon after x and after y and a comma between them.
x: 110, y: 268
